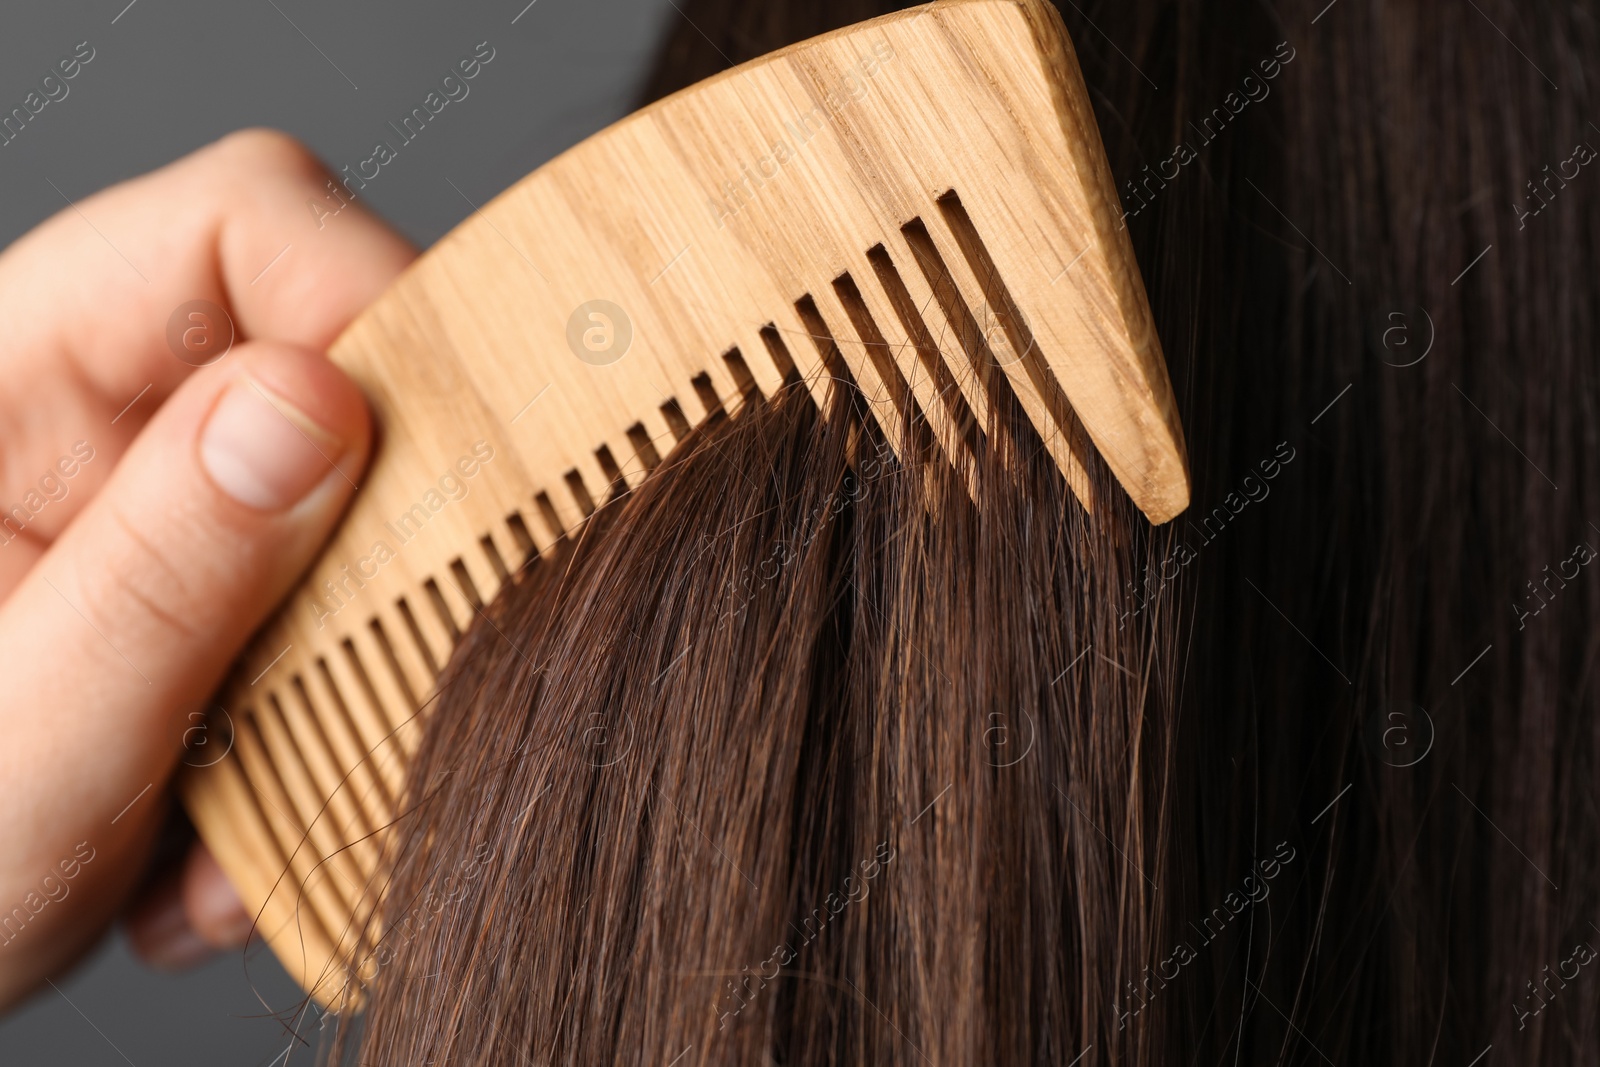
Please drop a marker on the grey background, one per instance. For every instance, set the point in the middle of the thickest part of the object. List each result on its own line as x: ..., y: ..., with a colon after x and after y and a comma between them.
x: 171, y: 75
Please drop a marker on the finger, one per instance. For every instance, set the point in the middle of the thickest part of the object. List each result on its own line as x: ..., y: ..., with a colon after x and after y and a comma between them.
x: 213, y: 907
x: 18, y: 554
x: 131, y: 618
x: 187, y: 915
x: 87, y: 297
x: 159, y: 931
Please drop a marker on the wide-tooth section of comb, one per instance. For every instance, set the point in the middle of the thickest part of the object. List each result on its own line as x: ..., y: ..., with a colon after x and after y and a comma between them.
x: 917, y: 208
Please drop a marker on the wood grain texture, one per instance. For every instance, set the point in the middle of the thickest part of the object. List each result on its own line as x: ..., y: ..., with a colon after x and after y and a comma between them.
x: 922, y: 199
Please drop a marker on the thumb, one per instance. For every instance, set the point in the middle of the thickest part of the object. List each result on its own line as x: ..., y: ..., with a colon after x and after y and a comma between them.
x: 132, y: 617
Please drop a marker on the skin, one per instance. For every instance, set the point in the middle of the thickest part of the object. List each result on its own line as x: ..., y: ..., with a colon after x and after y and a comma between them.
x: 123, y: 603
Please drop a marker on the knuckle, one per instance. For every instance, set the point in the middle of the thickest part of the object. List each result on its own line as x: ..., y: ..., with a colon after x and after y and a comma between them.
x: 262, y: 148
x: 139, y: 586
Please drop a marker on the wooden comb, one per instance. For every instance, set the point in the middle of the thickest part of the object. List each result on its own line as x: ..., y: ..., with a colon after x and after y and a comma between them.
x: 919, y: 204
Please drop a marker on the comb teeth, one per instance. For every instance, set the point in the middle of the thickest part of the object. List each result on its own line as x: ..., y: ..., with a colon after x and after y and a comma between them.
x: 940, y: 242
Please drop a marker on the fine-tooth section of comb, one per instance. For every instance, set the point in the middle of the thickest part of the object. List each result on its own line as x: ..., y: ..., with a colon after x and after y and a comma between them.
x: 916, y: 210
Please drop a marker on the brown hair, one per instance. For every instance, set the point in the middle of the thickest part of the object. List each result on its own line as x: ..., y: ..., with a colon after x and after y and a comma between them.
x: 790, y: 755
x: 1372, y: 826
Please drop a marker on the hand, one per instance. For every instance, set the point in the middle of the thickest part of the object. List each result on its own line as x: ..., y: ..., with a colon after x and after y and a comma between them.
x: 145, y: 533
